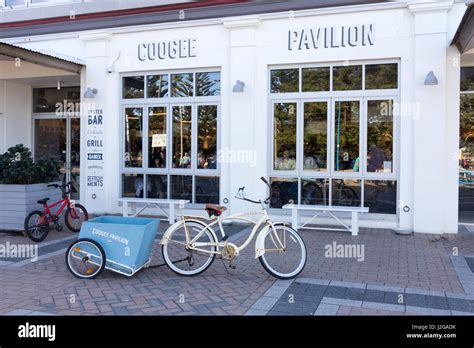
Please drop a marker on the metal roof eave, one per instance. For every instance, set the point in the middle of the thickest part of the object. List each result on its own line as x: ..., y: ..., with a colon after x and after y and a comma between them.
x: 39, y: 58
x: 464, y: 37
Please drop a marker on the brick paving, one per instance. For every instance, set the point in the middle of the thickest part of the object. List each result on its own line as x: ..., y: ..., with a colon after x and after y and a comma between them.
x: 409, y: 263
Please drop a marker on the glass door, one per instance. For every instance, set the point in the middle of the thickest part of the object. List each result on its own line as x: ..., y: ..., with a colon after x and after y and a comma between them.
x: 60, y: 138
x: 466, y: 160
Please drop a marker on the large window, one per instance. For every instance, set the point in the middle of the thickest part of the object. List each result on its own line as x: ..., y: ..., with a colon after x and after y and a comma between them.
x: 334, y: 135
x: 171, y: 136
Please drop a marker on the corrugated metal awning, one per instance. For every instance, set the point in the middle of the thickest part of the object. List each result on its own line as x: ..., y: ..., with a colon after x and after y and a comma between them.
x: 464, y: 38
x: 41, y: 57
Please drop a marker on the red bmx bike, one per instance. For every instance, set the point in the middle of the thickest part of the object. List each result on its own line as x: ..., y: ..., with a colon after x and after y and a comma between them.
x: 37, y: 223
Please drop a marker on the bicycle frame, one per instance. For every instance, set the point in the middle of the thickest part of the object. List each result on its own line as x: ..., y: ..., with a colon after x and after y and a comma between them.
x: 264, y: 220
x: 65, y: 202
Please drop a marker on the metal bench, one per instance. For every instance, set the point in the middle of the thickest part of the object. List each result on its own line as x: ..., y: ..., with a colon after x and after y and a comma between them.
x: 330, y: 210
x: 157, y: 203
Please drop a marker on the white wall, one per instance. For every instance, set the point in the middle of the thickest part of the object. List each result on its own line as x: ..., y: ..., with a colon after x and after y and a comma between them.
x: 18, y: 121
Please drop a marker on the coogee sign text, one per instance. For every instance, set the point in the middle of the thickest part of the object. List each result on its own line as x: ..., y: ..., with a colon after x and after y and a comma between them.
x: 161, y: 50
x: 331, y: 37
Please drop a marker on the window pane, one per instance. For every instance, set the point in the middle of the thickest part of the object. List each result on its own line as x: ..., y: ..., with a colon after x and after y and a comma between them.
x: 346, y: 78
x: 380, y: 136
x: 157, y: 140
x: 207, y: 190
x: 133, y: 87
x: 157, y: 186
x: 284, y: 191
x: 157, y: 86
x: 315, y: 136
x: 208, y: 84
x: 285, y: 81
x: 346, y: 135
x: 381, y: 76
x: 316, y: 79
x: 14, y: 2
x: 380, y: 196
x: 466, y: 159
x: 133, y: 137
x: 49, y: 100
x: 467, y: 79
x: 182, y: 187
x: 346, y: 192
x: 182, y: 131
x: 182, y: 85
x: 132, y: 185
x: 285, y: 136
x: 315, y: 191
x: 207, y: 137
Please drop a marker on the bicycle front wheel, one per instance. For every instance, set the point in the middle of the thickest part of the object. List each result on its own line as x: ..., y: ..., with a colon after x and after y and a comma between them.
x: 75, y: 217
x: 185, y: 259
x: 285, y: 252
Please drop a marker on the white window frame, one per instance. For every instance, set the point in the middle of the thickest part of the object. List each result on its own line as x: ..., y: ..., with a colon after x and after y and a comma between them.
x: 169, y: 102
x: 332, y: 96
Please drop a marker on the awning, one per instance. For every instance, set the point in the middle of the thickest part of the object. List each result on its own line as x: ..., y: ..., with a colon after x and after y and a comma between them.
x: 464, y: 38
x: 40, y: 57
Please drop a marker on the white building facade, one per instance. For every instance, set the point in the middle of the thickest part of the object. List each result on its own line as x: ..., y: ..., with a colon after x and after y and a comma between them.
x: 332, y: 105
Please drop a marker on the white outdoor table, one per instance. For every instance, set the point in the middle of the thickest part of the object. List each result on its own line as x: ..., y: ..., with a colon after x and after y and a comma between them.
x: 157, y: 203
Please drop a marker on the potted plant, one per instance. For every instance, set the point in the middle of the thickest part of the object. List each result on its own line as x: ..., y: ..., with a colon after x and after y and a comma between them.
x: 22, y: 183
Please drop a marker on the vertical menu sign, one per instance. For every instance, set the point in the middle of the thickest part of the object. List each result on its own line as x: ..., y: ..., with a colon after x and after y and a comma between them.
x: 95, y: 152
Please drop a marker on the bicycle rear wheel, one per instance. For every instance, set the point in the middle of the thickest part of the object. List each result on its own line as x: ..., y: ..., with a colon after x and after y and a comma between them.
x: 182, y: 258
x: 85, y: 258
x: 36, y: 226
x: 285, y: 252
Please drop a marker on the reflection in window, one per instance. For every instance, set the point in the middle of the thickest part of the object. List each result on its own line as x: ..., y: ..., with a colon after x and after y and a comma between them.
x: 182, y: 187
x: 381, y: 76
x: 49, y: 100
x: 133, y: 137
x: 157, y: 86
x: 466, y: 159
x: 133, y: 87
x: 207, y: 137
x: 467, y: 79
x: 380, y: 196
x: 285, y: 136
x: 182, y: 131
x: 207, y: 190
x: 208, y: 84
x: 132, y: 185
x: 284, y: 191
x: 182, y: 85
x: 316, y: 79
x: 157, y: 186
x: 380, y: 136
x: 346, y: 136
x: 315, y: 191
x: 315, y: 136
x: 347, y: 78
x: 157, y: 137
x: 346, y: 192
x: 285, y: 81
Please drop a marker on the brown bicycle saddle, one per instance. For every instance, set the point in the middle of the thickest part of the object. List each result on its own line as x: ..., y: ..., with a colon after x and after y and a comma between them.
x: 215, y: 210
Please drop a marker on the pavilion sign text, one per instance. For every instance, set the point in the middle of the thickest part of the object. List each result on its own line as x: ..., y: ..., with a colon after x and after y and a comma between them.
x: 331, y: 37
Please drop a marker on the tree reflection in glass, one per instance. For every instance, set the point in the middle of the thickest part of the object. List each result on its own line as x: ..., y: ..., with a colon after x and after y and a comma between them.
x: 380, y: 136
x: 182, y: 131
x: 315, y: 136
x: 285, y: 136
x: 133, y: 137
x: 157, y: 137
x: 207, y: 137
x: 347, y: 116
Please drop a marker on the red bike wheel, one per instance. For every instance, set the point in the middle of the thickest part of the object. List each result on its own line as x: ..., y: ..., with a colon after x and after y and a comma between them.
x: 36, y: 226
x: 75, y: 217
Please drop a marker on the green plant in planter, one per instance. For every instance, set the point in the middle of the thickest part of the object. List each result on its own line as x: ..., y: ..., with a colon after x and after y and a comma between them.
x: 17, y: 168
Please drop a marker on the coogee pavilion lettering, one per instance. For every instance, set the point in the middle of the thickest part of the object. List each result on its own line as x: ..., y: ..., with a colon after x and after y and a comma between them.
x: 331, y: 37
x: 161, y: 50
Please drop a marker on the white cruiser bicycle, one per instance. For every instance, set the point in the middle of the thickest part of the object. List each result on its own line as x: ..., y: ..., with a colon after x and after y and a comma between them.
x: 191, y: 245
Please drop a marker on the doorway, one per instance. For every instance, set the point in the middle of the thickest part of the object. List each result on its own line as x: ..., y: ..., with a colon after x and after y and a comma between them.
x: 57, y: 132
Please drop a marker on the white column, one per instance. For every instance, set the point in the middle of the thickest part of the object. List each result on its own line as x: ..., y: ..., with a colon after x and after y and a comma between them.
x: 432, y: 141
x: 241, y: 112
x: 98, y: 122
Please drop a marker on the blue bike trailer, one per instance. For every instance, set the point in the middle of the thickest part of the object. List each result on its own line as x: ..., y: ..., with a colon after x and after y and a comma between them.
x: 127, y: 241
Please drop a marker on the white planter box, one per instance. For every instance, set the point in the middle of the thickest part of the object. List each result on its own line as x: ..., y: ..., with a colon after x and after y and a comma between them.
x: 17, y: 201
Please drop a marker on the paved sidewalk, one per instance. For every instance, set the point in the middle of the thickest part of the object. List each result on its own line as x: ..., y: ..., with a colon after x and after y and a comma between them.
x: 422, y: 264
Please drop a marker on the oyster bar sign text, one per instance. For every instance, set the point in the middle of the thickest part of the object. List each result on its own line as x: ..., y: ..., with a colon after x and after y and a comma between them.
x: 331, y: 37
x: 161, y: 50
